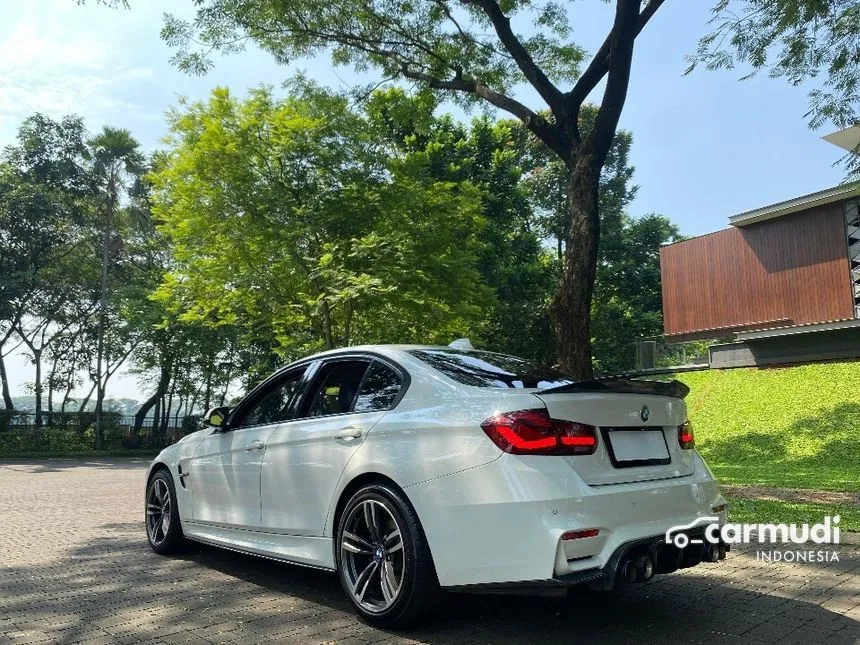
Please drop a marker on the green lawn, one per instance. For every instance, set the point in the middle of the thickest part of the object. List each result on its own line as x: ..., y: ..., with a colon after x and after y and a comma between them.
x: 796, y: 427
x: 793, y: 427
x: 755, y: 511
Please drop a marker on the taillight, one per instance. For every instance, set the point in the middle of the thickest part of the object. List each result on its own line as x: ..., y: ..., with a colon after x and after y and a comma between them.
x: 532, y: 432
x: 685, y: 436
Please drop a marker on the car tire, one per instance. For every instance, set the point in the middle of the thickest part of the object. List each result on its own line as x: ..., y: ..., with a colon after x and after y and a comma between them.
x: 383, y: 559
x: 163, y: 527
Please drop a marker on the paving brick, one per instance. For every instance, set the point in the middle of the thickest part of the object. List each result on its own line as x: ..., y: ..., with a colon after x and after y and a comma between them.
x: 76, y: 568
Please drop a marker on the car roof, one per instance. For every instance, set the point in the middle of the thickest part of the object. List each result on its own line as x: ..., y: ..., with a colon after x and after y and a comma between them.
x: 382, y: 348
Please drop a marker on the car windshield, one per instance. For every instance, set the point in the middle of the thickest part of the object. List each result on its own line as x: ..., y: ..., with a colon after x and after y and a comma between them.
x: 488, y: 369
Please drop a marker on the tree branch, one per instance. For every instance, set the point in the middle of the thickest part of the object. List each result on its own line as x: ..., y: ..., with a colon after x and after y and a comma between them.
x: 623, y: 36
x: 443, y: 4
x: 550, y: 134
x: 546, y: 132
x: 599, y: 66
x: 535, y: 75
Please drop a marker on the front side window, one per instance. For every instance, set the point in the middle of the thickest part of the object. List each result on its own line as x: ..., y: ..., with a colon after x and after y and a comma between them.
x: 488, y: 369
x: 336, y: 387
x: 379, y: 389
x: 277, y: 404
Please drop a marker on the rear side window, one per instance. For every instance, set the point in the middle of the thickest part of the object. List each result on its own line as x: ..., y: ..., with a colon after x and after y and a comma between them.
x: 337, y: 386
x: 379, y: 389
x: 488, y: 369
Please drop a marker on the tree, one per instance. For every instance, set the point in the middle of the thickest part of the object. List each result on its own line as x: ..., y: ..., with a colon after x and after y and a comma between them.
x: 799, y: 40
x: 510, y: 256
x: 628, y: 299
x: 470, y: 51
x: 44, y: 238
x: 546, y: 180
x: 286, y: 220
x: 117, y: 164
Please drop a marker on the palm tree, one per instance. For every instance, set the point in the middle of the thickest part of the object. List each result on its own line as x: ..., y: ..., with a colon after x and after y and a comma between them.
x: 117, y: 166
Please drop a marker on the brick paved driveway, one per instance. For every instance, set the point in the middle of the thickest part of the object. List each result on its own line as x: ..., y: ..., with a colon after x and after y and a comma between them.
x: 76, y: 567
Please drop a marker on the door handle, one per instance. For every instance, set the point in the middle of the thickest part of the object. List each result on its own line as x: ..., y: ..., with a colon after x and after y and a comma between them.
x: 255, y: 445
x: 348, y: 433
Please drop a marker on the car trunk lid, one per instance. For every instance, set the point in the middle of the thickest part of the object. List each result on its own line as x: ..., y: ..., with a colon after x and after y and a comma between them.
x: 637, y: 426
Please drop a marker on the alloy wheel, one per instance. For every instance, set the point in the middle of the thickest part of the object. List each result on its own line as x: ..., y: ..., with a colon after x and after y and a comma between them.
x: 372, y: 555
x: 158, y: 511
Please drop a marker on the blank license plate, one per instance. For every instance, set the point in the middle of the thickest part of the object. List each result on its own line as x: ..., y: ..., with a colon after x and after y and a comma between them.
x: 638, y: 446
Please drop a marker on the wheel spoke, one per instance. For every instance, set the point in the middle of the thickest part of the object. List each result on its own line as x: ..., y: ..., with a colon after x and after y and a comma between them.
x: 153, y: 509
x: 355, y: 544
x: 363, y: 580
x: 159, y: 491
x: 393, y: 541
x: 370, y: 520
x: 387, y: 582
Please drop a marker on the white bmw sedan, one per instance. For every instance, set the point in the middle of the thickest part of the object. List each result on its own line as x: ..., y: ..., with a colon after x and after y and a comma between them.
x: 415, y: 469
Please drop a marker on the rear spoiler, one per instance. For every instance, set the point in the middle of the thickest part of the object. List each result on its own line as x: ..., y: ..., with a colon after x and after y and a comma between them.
x: 623, y: 385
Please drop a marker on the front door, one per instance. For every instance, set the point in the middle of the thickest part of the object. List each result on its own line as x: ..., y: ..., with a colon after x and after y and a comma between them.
x: 225, y: 468
x: 305, y: 459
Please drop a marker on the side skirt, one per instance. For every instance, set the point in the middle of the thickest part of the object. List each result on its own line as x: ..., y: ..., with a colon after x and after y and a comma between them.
x: 315, y: 552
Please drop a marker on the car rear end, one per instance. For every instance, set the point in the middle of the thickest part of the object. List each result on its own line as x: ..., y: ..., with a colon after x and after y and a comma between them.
x: 586, y: 485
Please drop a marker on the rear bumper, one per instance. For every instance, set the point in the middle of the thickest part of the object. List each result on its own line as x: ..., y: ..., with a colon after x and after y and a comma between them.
x: 502, y: 522
x: 665, y: 558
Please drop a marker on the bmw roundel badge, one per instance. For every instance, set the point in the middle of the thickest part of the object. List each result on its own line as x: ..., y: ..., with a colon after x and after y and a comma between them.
x: 643, y: 413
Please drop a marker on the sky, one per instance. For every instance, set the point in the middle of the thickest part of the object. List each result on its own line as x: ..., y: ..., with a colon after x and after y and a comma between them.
x: 705, y: 146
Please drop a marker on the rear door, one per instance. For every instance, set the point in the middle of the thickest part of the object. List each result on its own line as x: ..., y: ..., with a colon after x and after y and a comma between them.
x: 305, y: 458
x: 637, y: 435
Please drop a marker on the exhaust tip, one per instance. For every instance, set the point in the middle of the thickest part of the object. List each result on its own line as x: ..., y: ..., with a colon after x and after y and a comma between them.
x: 645, y: 565
x: 628, y: 571
x: 639, y: 569
x: 712, y: 553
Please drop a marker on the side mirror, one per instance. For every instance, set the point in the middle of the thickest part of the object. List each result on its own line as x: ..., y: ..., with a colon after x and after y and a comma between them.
x: 215, y: 418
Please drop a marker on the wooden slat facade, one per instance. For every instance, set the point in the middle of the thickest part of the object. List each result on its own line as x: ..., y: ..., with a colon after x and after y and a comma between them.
x: 786, y: 271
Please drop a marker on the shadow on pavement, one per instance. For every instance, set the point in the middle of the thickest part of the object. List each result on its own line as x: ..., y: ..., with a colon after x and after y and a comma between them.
x: 115, y: 589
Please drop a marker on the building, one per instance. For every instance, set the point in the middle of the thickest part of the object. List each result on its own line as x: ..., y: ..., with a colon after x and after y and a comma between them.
x: 782, y: 282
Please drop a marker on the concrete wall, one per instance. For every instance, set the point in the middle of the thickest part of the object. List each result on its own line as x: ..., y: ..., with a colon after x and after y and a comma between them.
x: 795, y: 348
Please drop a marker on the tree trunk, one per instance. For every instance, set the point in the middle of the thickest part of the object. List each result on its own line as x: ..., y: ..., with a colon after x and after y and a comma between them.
x: 165, y: 416
x: 83, y: 406
x: 227, y: 378
x: 37, y: 386
x: 51, y: 398
x: 103, y: 315
x: 572, y: 303
x: 156, y: 422
x: 174, y: 435
x: 161, y: 388
x: 165, y: 421
x: 208, y: 393
x: 52, y: 380
x: 347, y: 323
x: 4, y: 382
x: 327, y: 331
x: 67, y: 395
x: 99, y: 421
